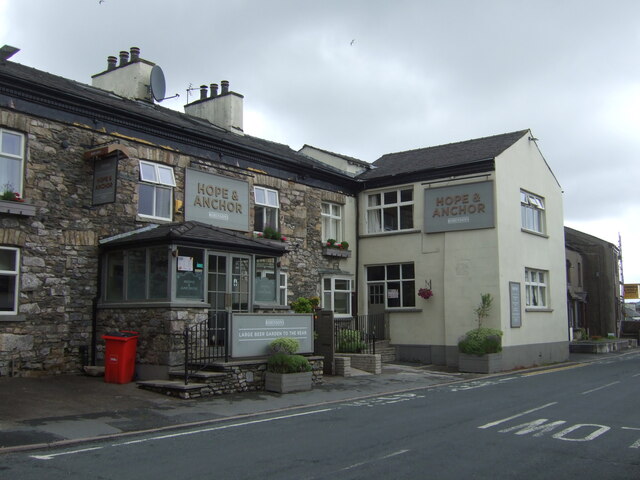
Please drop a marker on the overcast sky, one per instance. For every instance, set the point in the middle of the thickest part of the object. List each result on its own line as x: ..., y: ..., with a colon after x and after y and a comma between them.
x: 369, y: 77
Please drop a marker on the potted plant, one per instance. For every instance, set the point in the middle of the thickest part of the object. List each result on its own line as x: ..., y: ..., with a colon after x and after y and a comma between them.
x: 286, y: 371
x: 479, y: 349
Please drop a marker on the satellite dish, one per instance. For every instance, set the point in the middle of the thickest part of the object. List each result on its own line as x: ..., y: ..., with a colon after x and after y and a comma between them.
x: 158, y: 85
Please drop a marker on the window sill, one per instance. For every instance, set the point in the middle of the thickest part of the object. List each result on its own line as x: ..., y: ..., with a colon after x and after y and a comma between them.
x: 533, y: 232
x: 386, y: 234
x: 541, y: 310
x: 146, y: 218
x: 13, y: 317
x: 17, y: 208
x: 336, y: 252
x: 403, y: 310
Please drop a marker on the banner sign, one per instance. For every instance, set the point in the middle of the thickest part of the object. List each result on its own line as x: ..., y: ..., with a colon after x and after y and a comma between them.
x: 251, y: 333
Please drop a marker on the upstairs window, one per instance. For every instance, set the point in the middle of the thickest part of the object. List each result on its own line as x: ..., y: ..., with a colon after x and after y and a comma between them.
x: 267, y: 208
x: 155, y: 190
x: 532, y: 208
x: 331, y: 221
x: 11, y: 161
x: 390, y: 211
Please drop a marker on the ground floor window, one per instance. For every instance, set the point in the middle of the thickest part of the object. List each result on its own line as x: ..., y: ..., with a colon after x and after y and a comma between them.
x: 9, y: 270
x: 336, y: 295
x: 137, y: 274
x: 398, y: 282
x: 535, y: 283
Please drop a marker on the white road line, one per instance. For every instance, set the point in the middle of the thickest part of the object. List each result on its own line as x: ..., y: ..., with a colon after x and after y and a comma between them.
x: 635, y: 444
x: 52, y: 455
x: 600, y: 388
x: 636, y: 375
x: 399, y: 452
x: 221, y: 427
x: 498, y: 422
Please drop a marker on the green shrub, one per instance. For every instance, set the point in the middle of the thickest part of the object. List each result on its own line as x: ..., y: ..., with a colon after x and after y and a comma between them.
x: 344, y: 245
x: 284, y: 363
x: 271, y: 233
x: 350, y: 341
x: 481, y: 341
x: 302, y: 305
x: 284, y: 345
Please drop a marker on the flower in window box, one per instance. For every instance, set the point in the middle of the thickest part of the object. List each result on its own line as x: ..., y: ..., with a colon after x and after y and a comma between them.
x: 11, y: 196
x: 331, y: 242
x: 283, y: 239
x: 425, y: 293
x: 344, y: 245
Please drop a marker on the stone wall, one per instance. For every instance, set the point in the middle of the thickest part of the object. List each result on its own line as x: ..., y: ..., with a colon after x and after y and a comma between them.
x: 58, y: 291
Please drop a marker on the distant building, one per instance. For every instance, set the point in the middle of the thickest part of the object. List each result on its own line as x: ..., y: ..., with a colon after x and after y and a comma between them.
x: 594, y: 294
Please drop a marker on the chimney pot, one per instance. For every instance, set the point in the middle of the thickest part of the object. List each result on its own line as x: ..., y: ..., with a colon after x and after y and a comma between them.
x: 214, y: 90
x: 124, y: 58
x: 225, y: 87
x: 111, y: 62
x: 135, y: 54
x: 203, y: 92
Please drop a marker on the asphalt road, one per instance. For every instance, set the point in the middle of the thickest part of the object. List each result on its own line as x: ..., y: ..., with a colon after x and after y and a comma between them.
x: 567, y: 423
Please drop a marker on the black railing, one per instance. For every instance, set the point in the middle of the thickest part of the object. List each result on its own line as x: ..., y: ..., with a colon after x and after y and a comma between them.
x: 204, y: 343
x: 352, y: 340
x: 371, y: 324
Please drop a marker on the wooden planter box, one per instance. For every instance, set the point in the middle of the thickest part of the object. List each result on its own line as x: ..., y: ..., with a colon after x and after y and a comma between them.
x: 17, y: 208
x: 287, y: 382
x: 488, y: 363
x: 336, y: 252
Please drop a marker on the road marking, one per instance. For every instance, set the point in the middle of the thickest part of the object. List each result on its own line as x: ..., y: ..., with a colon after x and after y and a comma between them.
x: 636, y: 375
x: 222, y: 427
x: 52, y: 455
x: 599, y: 430
x: 635, y: 444
x: 552, y: 370
x: 600, y: 388
x: 384, y: 457
x: 498, y: 422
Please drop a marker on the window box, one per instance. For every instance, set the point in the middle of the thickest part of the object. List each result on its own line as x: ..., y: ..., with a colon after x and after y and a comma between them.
x: 336, y: 252
x: 17, y: 208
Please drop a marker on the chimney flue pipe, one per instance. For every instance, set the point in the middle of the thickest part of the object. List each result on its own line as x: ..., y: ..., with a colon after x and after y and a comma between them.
x: 124, y: 58
x: 225, y: 87
x: 135, y: 54
x: 214, y: 90
x: 111, y: 62
x: 203, y: 92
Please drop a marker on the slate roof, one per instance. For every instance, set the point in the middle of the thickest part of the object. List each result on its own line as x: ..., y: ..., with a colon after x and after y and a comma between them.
x: 196, y: 234
x: 73, y: 96
x: 442, y: 156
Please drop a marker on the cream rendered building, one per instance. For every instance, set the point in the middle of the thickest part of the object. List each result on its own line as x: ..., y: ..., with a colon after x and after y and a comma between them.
x: 465, y: 219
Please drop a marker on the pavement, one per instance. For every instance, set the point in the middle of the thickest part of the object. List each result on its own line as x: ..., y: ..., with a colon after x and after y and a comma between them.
x: 53, y: 411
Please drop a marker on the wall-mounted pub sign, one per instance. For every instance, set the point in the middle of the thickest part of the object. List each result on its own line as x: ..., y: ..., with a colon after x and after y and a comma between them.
x: 216, y: 200
x: 105, y: 174
x: 459, y: 207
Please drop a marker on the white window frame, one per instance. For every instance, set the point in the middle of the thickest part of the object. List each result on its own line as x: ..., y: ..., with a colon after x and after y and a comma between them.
x: 267, y: 199
x: 331, y: 221
x: 282, y: 288
x: 532, y: 208
x: 375, y: 214
x: 329, y: 295
x: 159, y: 177
x: 16, y: 275
x: 13, y: 157
x: 536, y: 290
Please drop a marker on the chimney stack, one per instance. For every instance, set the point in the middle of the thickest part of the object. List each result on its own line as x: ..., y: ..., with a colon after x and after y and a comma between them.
x: 130, y: 79
x: 224, y: 110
